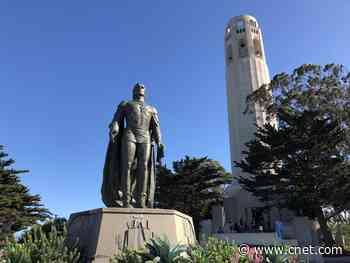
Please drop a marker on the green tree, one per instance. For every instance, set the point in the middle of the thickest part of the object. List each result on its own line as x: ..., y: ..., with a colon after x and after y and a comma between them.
x: 193, y: 186
x: 298, y: 165
x: 18, y: 208
x: 324, y: 90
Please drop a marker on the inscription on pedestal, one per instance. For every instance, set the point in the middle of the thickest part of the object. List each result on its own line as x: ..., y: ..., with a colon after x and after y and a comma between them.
x: 136, y: 235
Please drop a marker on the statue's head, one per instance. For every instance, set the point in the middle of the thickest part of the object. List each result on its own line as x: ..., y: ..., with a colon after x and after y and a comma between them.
x: 139, y: 91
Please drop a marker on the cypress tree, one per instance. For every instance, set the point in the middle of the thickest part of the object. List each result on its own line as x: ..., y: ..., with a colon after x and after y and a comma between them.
x: 194, y: 185
x: 18, y: 208
x: 299, y: 167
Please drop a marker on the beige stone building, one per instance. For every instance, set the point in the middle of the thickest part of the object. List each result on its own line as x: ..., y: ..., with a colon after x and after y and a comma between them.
x: 241, y: 218
x: 246, y: 71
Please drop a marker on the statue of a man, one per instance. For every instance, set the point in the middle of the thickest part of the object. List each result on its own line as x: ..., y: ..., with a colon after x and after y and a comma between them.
x: 129, y: 171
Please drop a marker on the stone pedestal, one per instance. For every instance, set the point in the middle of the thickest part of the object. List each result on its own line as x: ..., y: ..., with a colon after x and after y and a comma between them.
x: 104, y: 232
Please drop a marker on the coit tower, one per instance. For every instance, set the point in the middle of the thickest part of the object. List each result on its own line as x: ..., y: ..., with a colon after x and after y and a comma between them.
x: 246, y: 70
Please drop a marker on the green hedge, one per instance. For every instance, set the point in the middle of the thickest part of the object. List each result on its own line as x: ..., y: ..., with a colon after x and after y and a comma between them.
x: 37, y: 246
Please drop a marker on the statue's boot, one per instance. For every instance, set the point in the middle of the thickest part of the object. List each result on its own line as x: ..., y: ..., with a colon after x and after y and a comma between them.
x: 142, y: 201
x: 127, y: 201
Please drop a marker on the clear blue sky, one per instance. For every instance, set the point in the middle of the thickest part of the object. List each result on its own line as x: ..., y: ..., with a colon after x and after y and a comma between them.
x: 65, y: 65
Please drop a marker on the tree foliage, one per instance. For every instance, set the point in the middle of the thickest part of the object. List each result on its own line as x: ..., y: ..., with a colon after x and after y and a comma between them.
x: 304, y: 164
x: 192, y: 187
x: 298, y: 165
x: 18, y: 208
x: 322, y: 89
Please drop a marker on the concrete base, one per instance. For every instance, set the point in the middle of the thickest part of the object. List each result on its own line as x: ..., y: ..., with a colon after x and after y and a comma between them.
x: 104, y: 232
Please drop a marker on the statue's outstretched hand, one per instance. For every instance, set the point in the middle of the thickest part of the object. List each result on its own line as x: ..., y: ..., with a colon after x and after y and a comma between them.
x: 113, y: 131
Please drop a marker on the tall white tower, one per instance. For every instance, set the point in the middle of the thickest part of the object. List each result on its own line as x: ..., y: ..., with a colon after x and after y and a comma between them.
x: 246, y: 70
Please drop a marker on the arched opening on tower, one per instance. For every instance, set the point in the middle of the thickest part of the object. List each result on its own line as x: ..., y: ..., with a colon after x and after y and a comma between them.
x: 257, y: 47
x: 229, y: 53
x: 242, y: 48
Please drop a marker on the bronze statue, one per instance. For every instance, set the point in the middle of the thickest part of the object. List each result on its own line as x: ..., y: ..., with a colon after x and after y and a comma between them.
x: 129, y: 170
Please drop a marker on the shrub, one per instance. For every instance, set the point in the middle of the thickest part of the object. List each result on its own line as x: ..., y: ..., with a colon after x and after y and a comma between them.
x: 215, y: 251
x: 36, y: 246
x: 128, y: 256
x: 157, y: 250
x: 274, y: 257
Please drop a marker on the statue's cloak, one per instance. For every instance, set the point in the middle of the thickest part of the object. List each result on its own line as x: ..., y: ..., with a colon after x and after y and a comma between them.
x: 111, y: 191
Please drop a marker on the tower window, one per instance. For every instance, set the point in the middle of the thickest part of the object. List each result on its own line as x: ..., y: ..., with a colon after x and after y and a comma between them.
x: 240, y: 27
x: 229, y: 54
x: 227, y: 33
x: 252, y: 23
x: 257, y: 47
x: 242, y: 48
x: 240, y: 24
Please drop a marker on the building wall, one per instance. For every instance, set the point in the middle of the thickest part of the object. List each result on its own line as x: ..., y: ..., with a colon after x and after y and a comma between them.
x: 246, y: 70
